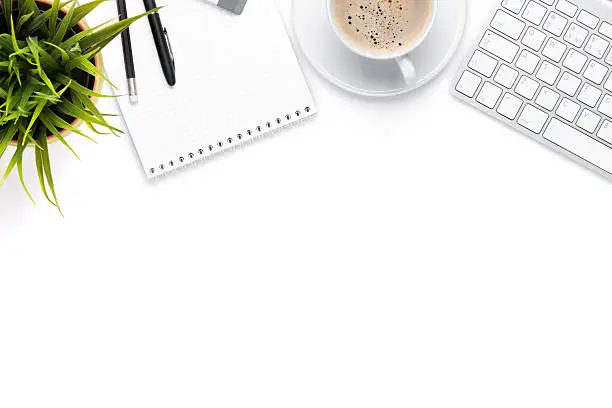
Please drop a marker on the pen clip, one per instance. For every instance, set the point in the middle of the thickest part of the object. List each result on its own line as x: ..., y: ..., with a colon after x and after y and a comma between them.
x: 169, y: 46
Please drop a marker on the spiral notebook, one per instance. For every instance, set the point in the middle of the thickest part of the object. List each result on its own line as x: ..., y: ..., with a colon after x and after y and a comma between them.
x: 236, y: 81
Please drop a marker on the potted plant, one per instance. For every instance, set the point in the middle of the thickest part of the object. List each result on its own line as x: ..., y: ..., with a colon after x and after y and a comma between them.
x: 50, y: 77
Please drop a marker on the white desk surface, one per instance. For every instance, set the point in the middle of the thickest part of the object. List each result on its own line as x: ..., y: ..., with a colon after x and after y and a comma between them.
x: 406, y: 252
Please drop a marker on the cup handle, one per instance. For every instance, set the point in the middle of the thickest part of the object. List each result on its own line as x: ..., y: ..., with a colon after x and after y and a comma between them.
x: 407, y: 68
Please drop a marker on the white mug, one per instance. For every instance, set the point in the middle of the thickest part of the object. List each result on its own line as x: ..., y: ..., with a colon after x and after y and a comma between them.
x: 402, y: 56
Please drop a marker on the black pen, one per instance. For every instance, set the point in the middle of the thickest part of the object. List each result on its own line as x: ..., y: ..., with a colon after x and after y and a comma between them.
x: 162, y: 43
x: 128, y: 57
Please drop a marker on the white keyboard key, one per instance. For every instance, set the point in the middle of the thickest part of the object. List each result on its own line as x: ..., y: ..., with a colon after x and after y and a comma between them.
x: 588, y: 19
x: 547, y: 98
x: 608, y: 84
x: 589, y: 95
x: 527, y: 87
x: 588, y: 121
x: 567, y: 8
x: 606, y: 29
x: 568, y: 84
x: 532, y: 118
x: 605, y: 131
x: 554, y: 49
x: 606, y: 106
x: 507, y: 24
x: 576, y: 35
x: 506, y: 76
x: 534, y: 12
x: 499, y: 46
x: 514, y: 6
x: 533, y: 38
x: 579, y: 144
x: 575, y: 61
x: 596, y: 46
x: 568, y: 110
x: 555, y: 23
x: 468, y: 84
x: 595, y: 72
x: 483, y: 63
x: 509, y: 106
x: 527, y: 61
x: 489, y: 95
x: 548, y: 73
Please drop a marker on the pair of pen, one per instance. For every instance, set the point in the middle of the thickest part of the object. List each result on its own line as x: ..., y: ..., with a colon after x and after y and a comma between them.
x: 162, y: 43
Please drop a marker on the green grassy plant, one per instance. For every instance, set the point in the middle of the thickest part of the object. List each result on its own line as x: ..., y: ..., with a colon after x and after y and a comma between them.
x: 46, y: 73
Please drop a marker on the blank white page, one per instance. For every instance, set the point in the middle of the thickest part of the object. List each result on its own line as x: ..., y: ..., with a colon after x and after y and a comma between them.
x: 235, y: 82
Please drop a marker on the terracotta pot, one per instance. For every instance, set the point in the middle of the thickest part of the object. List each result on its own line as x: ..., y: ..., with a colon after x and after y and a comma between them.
x: 97, y: 80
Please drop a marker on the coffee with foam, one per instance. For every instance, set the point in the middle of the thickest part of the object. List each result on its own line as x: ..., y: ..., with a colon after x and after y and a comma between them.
x: 382, y: 26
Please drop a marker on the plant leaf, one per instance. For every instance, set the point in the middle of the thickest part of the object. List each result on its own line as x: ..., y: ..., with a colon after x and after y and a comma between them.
x: 46, y: 165
x: 64, y: 25
x: 16, y: 158
x: 40, y: 169
x: 7, y: 8
x: 107, y: 34
x: 23, y: 184
x: 53, y: 17
x: 44, y: 117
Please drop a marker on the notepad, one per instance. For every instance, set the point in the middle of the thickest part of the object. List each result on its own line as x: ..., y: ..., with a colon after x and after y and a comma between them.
x: 238, y: 79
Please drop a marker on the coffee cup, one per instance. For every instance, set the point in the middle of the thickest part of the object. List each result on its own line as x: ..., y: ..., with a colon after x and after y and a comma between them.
x: 384, y: 29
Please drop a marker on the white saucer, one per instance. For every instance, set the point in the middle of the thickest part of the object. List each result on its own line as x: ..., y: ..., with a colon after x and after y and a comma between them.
x: 356, y: 74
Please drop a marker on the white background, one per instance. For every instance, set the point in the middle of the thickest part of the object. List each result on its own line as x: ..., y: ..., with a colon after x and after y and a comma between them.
x: 400, y: 253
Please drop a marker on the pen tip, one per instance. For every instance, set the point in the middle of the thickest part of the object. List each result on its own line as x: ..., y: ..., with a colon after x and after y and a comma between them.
x: 134, y: 98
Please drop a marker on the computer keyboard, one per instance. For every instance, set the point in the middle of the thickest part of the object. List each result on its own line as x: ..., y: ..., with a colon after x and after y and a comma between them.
x: 545, y: 68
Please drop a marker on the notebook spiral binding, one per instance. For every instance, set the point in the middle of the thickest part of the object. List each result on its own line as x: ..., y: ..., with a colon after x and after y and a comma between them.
x: 205, y: 151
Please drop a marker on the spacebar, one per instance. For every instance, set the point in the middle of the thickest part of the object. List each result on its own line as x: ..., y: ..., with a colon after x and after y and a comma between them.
x: 579, y: 144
